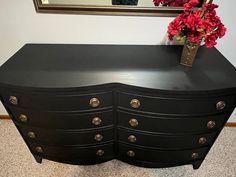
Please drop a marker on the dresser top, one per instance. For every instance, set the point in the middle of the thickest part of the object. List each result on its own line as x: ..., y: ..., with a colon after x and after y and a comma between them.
x: 147, y: 66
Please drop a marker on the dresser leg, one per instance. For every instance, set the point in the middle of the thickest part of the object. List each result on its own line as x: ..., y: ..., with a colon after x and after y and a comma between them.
x: 197, y: 164
x: 38, y: 158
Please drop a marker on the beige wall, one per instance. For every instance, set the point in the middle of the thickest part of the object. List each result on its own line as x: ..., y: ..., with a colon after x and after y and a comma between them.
x: 20, y: 24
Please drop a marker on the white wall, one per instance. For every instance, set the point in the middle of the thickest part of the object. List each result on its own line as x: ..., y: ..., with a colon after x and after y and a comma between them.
x: 20, y: 24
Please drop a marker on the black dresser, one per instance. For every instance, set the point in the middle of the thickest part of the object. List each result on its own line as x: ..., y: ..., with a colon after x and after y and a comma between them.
x: 87, y: 104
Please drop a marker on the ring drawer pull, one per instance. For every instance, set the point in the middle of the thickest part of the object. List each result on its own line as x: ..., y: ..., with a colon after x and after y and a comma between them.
x: 202, y: 140
x: 97, y: 121
x: 133, y: 122
x: 132, y: 138
x: 100, y: 152
x: 94, y: 102
x: 220, y: 105
x: 130, y: 153
x: 211, y: 124
x: 135, y: 103
x: 31, y: 135
x: 23, y: 118
x: 195, y: 155
x: 98, y: 137
x: 39, y: 149
x: 13, y: 100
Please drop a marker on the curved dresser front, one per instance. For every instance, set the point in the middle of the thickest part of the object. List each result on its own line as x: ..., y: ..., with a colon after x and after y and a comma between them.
x: 138, y: 124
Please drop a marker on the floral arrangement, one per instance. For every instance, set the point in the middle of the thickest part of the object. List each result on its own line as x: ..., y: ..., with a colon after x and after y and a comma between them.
x: 174, y: 3
x: 197, y: 25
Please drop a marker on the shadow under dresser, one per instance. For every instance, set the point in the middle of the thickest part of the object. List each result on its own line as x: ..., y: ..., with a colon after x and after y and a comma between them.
x: 87, y: 104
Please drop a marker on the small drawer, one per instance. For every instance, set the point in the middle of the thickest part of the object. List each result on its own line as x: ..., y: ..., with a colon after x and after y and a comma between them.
x: 76, y: 153
x: 165, y: 141
x: 53, y: 102
x: 171, y: 124
x: 175, y: 106
x: 58, y: 137
x: 62, y: 120
x: 161, y: 156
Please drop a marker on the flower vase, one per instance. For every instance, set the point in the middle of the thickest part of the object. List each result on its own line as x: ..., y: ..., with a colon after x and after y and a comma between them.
x: 189, y: 52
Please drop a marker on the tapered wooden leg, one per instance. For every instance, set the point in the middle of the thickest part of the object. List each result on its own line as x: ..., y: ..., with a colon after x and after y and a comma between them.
x: 38, y: 158
x: 197, y: 164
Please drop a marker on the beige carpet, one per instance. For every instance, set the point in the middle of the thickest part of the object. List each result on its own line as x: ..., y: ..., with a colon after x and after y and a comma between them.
x: 16, y: 161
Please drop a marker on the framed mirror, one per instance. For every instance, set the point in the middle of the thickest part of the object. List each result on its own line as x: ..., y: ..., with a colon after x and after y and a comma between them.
x: 167, y: 8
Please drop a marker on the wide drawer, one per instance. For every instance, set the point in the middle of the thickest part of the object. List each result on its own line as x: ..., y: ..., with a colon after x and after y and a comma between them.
x: 165, y: 141
x: 59, y: 137
x: 60, y: 102
x: 167, y: 124
x: 73, y: 152
x: 62, y: 120
x: 176, y: 106
x: 162, y: 156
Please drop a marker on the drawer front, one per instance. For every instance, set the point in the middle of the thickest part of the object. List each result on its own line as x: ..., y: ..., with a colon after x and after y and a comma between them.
x: 164, y: 141
x: 175, y: 106
x: 151, y: 155
x: 58, y: 137
x: 54, y: 102
x: 63, y: 120
x: 171, y: 124
x: 73, y: 152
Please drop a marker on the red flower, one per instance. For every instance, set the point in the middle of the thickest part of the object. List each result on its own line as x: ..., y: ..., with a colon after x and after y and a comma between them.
x: 221, y: 30
x: 210, y: 41
x: 190, y: 4
x: 174, y: 27
x: 197, y: 24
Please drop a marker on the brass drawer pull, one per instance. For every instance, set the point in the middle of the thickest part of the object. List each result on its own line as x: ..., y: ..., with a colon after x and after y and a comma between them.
x: 133, y: 122
x: 202, y: 140
x: 100, y: 152
x: 220, y: 105
x: 23, y: 118
x: 13, y: 100
x: 39, y: 149
x: 31, y: 135
x: 94, y: 102
x: 132, y: 138
x: 195, y: 155
x: 211, y: 124
x: 135, y: 103
x: 98, y: 137
x: 97, y: 121
x: 130, y: 153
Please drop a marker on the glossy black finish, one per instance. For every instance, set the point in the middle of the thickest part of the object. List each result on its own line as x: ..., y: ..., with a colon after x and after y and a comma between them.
x: 50, y: 119
x: 67, y: 137
x: 53, y: 85
x: 70, y: 66
x: 160, y: 156
x: 171, y: 124
x: 165, y: 141
x: 75, y: 154
x: 60, y: 102
x: 179, y: 106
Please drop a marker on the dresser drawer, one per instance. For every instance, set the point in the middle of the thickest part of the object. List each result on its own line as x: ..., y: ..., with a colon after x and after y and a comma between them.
x: 171, y: 124
x: 63, y: 120
x: 73, y: 152
x: 164, y: 141
x: 161, y: 156
x: 58, y: 137
x: 53, y: 102
x: 175, y: 106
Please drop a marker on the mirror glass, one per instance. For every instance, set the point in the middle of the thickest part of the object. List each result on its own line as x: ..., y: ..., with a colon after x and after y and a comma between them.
x: 136, y: 3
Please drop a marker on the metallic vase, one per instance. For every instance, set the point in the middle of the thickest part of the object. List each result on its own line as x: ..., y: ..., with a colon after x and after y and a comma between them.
x: 189, y: 52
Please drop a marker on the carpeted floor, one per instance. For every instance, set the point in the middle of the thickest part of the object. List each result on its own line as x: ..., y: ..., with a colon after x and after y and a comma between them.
x: 16, y: 161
